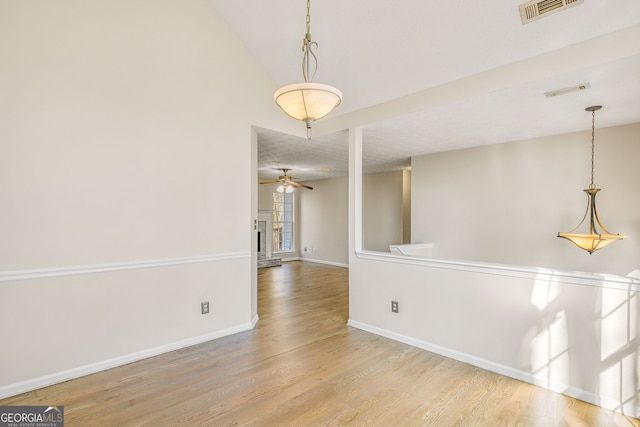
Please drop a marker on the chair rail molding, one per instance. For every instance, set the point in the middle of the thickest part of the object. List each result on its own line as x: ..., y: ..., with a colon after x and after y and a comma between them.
x: 42, y: 273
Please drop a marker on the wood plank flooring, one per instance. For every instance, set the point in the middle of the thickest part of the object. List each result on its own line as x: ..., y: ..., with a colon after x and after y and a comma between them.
x: 302, y: 366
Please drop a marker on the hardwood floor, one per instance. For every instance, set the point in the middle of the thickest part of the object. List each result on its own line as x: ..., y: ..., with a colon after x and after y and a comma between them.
x: 302, y: 366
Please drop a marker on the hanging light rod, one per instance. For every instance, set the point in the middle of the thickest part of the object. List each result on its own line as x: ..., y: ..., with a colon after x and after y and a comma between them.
x: 308, y: 101
x: 595, y: 239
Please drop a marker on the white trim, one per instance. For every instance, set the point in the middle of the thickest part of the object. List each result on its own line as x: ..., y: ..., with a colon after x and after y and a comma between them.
x: 534, y: 273
x: 319, y: 261
x: 47, y: 380
x: 254, y: 321
x: 507, y: 371
x: 7, y: 276
x: 266, y: 216
x: 355, y: 171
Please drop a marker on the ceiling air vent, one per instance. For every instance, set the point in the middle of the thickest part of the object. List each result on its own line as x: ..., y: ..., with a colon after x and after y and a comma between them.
x: 532, y: 10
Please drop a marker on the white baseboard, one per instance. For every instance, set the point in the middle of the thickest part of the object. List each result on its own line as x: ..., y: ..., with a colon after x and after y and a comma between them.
x: 319, y: 261
x: 527, y: 377
x: 36, y: 383
x: 254, y: 321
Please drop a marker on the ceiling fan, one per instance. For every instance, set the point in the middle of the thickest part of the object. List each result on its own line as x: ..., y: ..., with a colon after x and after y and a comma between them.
x: 287, y: 184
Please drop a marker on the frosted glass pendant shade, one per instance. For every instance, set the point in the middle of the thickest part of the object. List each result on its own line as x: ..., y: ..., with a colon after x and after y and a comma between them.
x: 591, y: 242
x: 307, y: 102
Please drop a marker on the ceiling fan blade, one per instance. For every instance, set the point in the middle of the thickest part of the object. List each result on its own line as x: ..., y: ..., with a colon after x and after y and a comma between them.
x: 297, y: 184
x: 268, y: 182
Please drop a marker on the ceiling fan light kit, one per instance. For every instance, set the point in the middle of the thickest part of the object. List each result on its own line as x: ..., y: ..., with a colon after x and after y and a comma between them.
x: 287, y: 184
x: 308, y: 101
x: 285, y: 188
x: 595, y: 238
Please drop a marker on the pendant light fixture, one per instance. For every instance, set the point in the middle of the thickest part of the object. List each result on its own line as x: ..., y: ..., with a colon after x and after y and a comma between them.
x: 595, y: 239
x: 308, y: 101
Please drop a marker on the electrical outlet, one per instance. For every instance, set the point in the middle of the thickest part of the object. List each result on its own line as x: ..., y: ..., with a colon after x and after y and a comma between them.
x: 204, y: 306
x: 394, y: 306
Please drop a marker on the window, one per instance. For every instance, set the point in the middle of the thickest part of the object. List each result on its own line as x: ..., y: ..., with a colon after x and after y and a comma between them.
x: 282, y: 222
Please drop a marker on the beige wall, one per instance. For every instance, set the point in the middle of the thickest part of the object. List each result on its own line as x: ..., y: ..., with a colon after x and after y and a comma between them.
x: 321, y: 220
x: 382, y: 210
x: 506, y: 203
x: 324, y: 221
x: 406, y: 206
x: 121, y: 123
x: 323, y: 215
x: 265, y: 196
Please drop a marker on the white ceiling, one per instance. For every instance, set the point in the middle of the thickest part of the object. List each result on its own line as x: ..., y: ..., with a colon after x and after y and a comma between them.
x: 436, y: 75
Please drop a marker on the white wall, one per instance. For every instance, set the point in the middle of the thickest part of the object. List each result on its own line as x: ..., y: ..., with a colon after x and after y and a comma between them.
x: 575, y: 333
x: 120, y: 125
x: 506, y: 203
x: 577, y: 339
x: 323, y: 220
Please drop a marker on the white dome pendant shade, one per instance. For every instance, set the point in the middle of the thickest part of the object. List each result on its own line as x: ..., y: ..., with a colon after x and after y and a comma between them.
x: 308, y: 101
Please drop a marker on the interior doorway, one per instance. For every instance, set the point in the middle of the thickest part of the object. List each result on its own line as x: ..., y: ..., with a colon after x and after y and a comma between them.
x: 264, y: 229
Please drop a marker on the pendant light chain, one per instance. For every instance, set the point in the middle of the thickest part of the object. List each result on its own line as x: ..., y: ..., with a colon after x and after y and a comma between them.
x: 593, y: 138
x: 307, y: 44
x: 308, y: 20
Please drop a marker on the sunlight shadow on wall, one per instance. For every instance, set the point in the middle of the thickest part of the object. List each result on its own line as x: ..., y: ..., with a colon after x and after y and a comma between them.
x: 550, y: 354
x: 619, y: 382
x: 544, y: 292
x: 618, y: 338
x: 618, y: 320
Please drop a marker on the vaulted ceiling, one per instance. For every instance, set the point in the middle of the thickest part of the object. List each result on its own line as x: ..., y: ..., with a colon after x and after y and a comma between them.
x: 434, y: 75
